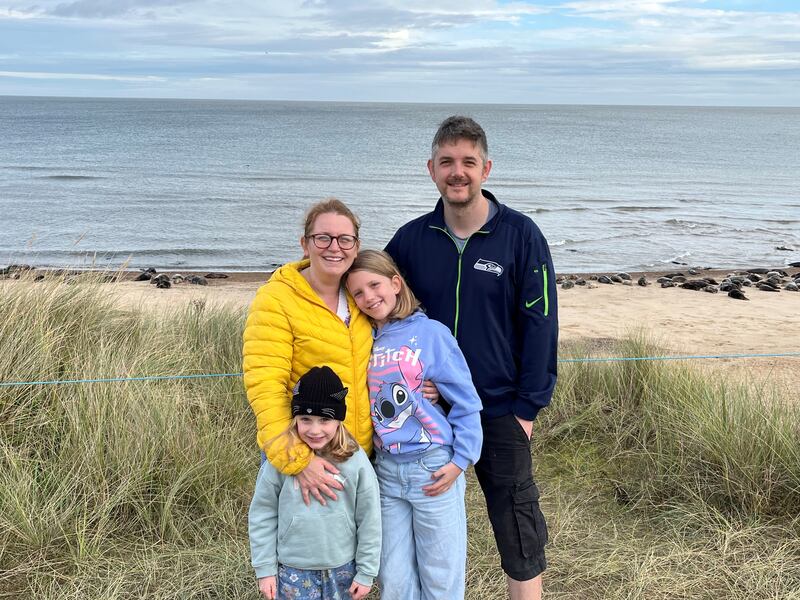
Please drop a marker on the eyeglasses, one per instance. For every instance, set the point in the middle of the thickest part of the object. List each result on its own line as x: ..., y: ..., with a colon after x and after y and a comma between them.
x: 323, y: 240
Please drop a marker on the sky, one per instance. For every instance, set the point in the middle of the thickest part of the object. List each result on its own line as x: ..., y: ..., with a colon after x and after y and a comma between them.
x: 652, y: 52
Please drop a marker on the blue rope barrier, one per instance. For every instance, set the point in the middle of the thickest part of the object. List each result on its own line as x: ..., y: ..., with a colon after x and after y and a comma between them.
x: 562, y: 360
x: 118, y: 379
x: 696, y: 357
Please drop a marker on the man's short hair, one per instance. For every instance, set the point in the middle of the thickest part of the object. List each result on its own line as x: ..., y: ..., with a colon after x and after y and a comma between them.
x: 457, y: 128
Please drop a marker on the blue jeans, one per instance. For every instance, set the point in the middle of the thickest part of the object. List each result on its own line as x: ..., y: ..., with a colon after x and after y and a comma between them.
x: 424, y: 550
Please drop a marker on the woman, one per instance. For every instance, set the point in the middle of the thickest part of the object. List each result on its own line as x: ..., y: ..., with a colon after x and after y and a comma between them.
x: 301, y: 318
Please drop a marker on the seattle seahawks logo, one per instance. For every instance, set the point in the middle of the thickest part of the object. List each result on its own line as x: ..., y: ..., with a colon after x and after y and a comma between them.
x: 489, y: 266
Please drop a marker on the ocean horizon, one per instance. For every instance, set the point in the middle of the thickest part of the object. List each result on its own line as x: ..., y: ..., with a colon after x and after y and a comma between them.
x: 223, y: 185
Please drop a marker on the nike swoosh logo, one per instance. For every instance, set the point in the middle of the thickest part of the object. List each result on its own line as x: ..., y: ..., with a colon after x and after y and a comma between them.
x: 532, y: 302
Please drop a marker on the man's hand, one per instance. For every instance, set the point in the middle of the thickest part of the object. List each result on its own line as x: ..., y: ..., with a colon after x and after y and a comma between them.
x: 527, y: 426
x: 358, y: 591
x: 268, y: 586
x: 444, y: 478
x: 317, y: 479
x: 430, y: 392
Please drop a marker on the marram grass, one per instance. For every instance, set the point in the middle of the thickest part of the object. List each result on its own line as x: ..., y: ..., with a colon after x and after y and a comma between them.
x: 656, y: 481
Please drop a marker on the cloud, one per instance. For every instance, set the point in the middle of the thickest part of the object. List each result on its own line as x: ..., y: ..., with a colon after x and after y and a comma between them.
x: 82, y: 76
x: 480, y: 47
x: 102, y: 9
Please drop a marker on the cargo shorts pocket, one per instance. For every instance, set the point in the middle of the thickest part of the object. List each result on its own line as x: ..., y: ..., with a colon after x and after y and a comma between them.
x: 530, y: 522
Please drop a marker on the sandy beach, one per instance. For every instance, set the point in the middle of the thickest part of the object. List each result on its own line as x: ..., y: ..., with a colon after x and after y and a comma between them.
x: 679, y: 321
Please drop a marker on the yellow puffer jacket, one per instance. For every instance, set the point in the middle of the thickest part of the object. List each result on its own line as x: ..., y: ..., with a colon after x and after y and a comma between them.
x: 289, y: 330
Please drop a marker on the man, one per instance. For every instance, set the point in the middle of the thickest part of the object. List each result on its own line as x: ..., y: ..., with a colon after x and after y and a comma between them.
x: 485, y: 271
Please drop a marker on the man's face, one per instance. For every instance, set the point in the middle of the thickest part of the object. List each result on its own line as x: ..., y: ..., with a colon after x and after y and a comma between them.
x: 458, y: 171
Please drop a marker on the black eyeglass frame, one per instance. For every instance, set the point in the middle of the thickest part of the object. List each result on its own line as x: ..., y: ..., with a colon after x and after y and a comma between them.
x: 314, y: 237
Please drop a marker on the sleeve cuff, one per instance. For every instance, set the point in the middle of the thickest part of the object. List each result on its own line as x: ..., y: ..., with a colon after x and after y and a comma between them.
x: 525, y: 411
x: 266, y: 570
x: 462, y: 462
x: 363, y: 579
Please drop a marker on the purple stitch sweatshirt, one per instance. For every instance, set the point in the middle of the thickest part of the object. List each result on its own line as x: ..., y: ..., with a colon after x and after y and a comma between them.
x: 404, y: 354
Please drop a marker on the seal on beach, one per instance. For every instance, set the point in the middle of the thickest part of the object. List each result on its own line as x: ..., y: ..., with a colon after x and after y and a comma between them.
x: 567, y: 284
x: 765, y: 287
x: 14, y: 271
x: 791, y: 287
x: 642, y: 281
x: 216, y: 275
x: 161, y: 281
x: 694, y: 284
x: 146, y: 274
x: 737, y: 295
x: 605, y: 279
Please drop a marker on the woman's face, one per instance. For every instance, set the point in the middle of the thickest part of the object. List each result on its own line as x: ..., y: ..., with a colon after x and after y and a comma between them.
x: 333, y: 260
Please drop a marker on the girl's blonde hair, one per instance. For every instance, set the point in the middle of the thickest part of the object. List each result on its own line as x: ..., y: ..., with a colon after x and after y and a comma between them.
x: 339, y: 449
x: 380, y: 263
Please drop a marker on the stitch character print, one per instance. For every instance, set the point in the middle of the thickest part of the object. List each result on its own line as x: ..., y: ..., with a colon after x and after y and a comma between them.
x: 400, y: 418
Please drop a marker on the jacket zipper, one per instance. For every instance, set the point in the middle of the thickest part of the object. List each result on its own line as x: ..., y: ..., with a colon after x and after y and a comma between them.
x: 458, y: 279
x: 546, y: 292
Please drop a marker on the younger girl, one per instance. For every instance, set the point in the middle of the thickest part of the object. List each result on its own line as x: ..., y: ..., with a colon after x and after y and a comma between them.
x: 332, y: 551
x: 421, y: 452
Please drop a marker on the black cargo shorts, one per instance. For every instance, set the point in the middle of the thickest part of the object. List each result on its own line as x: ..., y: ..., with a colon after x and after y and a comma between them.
x: 505, y: 474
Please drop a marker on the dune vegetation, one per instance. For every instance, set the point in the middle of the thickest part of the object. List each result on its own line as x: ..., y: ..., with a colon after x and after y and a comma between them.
x: 657, y: 482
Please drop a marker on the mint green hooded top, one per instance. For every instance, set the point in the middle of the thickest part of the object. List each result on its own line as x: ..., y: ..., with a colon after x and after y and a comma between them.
x: 284, y: 530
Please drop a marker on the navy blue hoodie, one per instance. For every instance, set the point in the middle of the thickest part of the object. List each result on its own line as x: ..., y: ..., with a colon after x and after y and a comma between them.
x: 497, y: 296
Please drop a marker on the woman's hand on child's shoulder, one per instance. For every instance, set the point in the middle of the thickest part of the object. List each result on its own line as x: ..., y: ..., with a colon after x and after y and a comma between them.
x: 358, y: 591
x: 268, y: 586
x: 430, y: 392
x: 317, y: 479
x: 443, y: 478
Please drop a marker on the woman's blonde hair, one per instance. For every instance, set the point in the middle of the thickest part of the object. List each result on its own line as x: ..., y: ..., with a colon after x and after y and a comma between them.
x: 380, y: 263
x: 329, y: 205
x: 341, y: 447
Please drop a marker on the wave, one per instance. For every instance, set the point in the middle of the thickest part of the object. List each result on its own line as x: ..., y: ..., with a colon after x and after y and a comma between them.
x: 639, y: 208
x: 567, y: 209
x: 71, y: 177
x: 780, y: 221
x: 26, y: 168
x: 147, y: 253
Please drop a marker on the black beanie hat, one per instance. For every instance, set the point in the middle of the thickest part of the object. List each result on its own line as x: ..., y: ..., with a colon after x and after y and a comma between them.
x: 320, y: 392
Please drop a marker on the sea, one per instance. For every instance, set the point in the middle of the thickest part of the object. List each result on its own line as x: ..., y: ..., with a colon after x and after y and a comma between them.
x: 223, y: 185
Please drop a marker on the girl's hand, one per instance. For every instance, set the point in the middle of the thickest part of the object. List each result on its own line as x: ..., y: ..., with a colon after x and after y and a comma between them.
x: 430, y: 392
x: 317, y: 479
x: 444, y: 478
x: 268, y: 586
x: 358, y: 591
